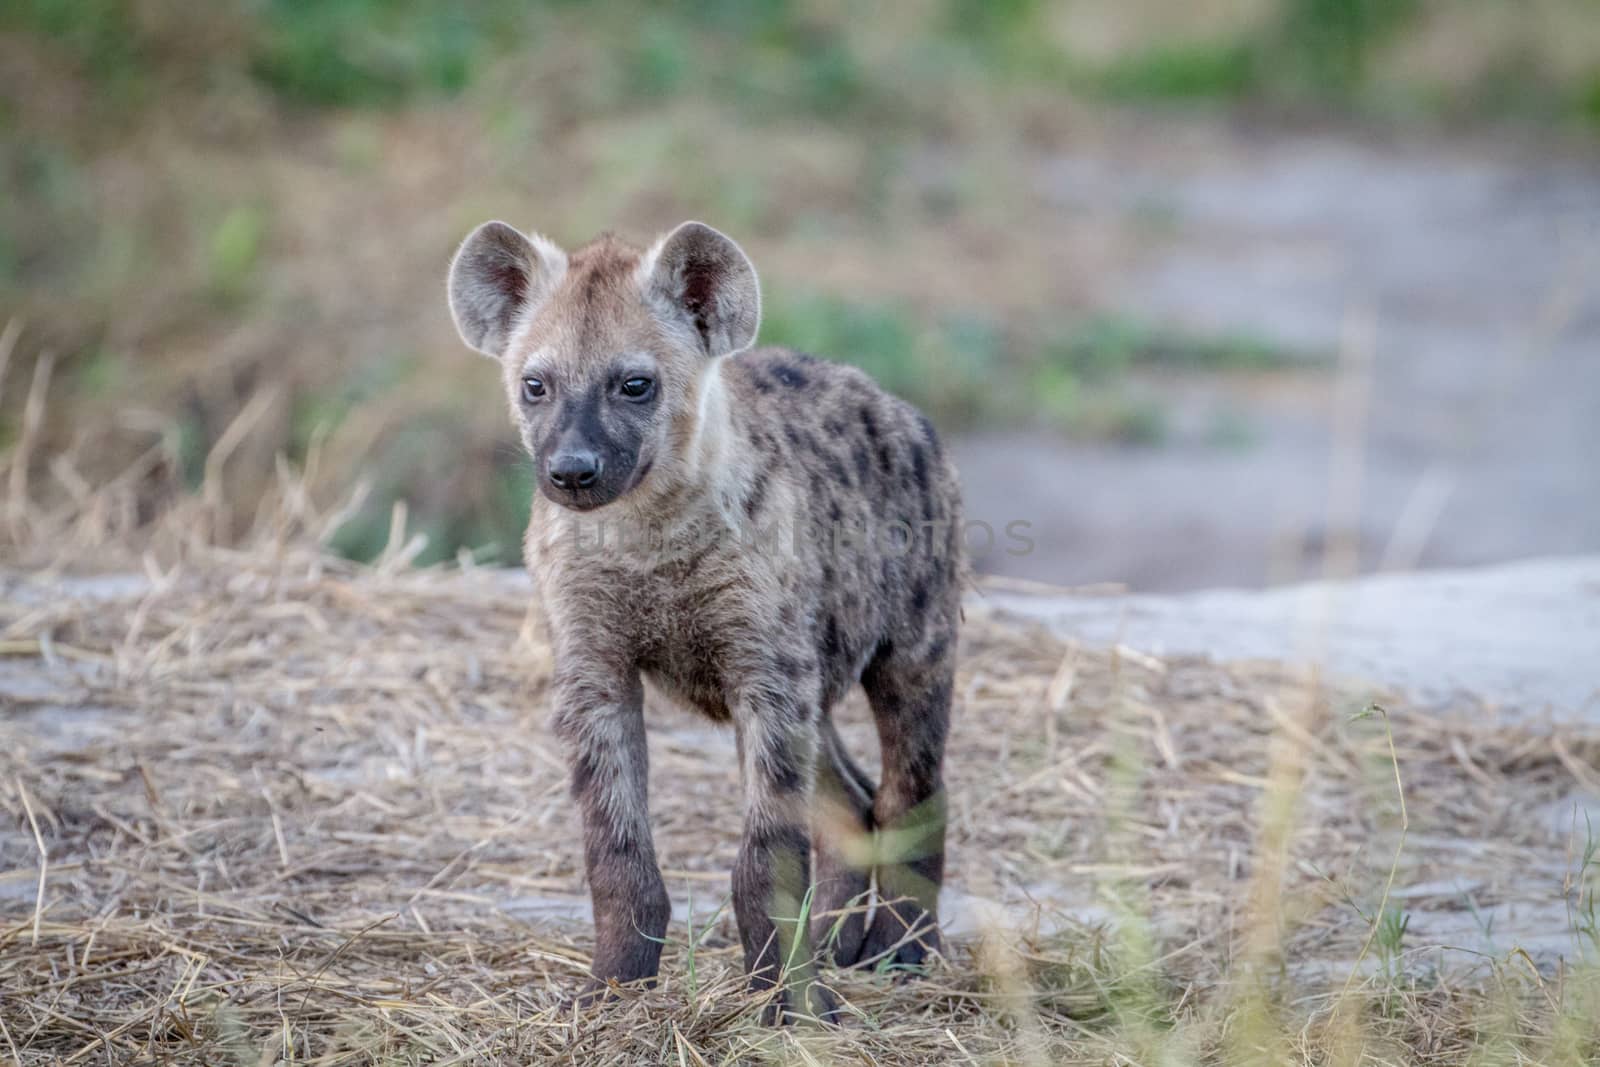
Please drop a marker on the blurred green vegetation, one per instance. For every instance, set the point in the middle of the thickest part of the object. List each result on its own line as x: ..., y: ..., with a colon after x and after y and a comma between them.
x: 205, y: 200
x: 1076, y: 378
x: 377, y: 52
x: 778, y: 56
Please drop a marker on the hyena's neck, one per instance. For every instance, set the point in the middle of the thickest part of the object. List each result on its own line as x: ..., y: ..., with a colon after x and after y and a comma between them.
x: 710, y: 454
x: 716, y: 468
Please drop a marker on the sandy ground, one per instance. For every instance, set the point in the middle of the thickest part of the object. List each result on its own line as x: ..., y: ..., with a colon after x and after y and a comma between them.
x: 1521, y: 636
x: 1474, y: 262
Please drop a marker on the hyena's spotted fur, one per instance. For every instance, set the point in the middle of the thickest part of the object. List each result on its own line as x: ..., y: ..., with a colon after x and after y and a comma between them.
x: 759, y: 531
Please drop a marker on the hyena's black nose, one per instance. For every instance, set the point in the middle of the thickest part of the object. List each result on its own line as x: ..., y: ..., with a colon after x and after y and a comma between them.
x: 574, y: 470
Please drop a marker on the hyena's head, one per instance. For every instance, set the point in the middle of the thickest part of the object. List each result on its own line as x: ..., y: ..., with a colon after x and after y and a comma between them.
x: 605, y: 351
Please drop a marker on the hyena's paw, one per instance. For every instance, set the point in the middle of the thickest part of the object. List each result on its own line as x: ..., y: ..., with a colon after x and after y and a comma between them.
x: 839, y: 926
x: 900, y: 940
x: 817, y: 1004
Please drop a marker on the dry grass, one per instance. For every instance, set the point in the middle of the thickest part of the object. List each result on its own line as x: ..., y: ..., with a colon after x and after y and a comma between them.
x: 263, y: 805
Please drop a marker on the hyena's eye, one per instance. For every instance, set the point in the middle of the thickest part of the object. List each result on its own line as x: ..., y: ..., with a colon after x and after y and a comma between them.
x: 532, y: 389
x: 637, y: 388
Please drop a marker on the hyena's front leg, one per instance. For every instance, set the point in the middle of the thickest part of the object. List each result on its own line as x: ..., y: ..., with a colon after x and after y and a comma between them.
x: 601, y: 720
x: 772, y: 876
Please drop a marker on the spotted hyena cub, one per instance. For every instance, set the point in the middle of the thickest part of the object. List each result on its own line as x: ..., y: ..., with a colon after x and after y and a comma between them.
x: 753, y: 531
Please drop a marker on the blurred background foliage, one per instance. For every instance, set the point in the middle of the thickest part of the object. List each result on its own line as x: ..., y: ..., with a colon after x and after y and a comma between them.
x: 210, y: 201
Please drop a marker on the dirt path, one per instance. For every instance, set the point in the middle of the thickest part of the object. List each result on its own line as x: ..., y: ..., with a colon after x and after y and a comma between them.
x: 1477, y: 263
x: 1521, y: 637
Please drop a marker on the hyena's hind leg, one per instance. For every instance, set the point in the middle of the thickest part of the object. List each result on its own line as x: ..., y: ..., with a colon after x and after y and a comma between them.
x: 842, y: 830
x: 910, y: 692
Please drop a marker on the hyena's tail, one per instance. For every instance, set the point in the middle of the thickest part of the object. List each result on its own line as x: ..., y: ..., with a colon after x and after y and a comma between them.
x: 859, y: 790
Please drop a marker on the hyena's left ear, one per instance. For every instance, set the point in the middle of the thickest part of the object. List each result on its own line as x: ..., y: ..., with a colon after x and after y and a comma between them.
x: 499, y: 277
x: 699, y: 277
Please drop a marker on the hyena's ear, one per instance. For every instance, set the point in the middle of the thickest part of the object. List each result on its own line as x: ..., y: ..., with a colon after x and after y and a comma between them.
x: 498, y: 277
x: 700, y: 278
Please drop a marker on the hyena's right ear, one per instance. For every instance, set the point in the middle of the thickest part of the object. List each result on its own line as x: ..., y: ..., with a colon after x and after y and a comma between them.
x: 702, y: 279
x: 498, y: 277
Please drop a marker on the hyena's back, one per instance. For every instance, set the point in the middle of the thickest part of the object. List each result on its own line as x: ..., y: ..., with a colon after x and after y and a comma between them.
x: 877, y: 496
